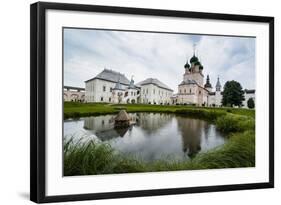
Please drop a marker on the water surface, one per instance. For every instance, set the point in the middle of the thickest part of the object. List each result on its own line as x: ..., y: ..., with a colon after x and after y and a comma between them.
x: 153, y: 136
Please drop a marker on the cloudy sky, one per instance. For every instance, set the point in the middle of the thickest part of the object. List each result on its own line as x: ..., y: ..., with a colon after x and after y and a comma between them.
x: 156, y: 55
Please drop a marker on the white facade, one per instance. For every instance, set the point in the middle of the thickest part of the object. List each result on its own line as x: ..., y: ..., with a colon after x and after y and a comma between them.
x: 248, y: 94
x: 152, y: 92
x: 113, y: 87
x: 99, y: 90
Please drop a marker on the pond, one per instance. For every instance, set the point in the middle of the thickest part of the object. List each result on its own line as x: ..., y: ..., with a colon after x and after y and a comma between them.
x: 153, y: 136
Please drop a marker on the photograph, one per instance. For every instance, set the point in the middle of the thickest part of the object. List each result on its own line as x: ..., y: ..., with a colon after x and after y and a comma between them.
x: 147, y: 101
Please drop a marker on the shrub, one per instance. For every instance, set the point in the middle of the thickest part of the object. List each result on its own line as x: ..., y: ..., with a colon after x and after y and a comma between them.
x: 235, y: 123
x: 251, y: 103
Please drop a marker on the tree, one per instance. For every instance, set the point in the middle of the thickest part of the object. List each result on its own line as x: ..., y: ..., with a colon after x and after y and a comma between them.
x: 251, y: 103
x: 233, y: 94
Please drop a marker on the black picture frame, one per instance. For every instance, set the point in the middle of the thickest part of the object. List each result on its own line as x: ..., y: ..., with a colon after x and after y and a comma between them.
x: 38, y: 100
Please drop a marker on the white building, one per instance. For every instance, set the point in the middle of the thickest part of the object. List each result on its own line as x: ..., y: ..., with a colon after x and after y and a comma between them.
x: 192, y: 90
x: 248, y: 94
x: 155, y: 92
x: 113, y: 87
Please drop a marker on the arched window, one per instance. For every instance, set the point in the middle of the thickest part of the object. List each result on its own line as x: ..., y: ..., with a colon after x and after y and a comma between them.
x: 190, y: 90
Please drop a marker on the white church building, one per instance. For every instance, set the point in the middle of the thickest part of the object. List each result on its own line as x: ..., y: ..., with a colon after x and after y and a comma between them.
x: 192, y: 89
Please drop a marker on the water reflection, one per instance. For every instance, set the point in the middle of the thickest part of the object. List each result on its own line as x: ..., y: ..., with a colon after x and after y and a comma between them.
x: 153, y: 136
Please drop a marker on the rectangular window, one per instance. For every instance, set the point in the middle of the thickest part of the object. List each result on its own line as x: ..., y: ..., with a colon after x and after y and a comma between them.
x: 101, y: 99
x: 104, y: 88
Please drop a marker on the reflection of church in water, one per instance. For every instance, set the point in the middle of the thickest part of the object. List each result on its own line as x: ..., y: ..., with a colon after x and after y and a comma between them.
x: 193, y: 132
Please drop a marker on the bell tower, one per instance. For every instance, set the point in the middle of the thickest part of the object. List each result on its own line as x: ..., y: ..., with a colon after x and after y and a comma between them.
x: 194, y: 70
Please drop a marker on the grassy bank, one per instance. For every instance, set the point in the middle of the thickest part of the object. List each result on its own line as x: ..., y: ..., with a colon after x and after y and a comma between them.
x: 75, y: 110
x: 87, y: 158
x: 90, y: 158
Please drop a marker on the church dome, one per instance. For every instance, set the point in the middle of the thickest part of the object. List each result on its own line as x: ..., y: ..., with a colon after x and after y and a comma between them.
x: 208, y: 84
x: 197, y: 63
x: 186, y: 65
x: 201, y: 67
x: 193, y: 59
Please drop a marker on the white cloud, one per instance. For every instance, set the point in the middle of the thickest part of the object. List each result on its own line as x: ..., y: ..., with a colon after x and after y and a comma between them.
x: 155, y: 55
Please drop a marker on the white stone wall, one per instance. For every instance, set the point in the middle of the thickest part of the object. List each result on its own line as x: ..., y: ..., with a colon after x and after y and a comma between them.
x: 99, y: 90
x: 153, y: 94
x: 198, y: 77
x: 247, y: 97
x: 103, y: 91
x: 73, y: 95
x: 211, y: 100
x: 192, y: 94
x: 132, y: 96
x: 218, y: 97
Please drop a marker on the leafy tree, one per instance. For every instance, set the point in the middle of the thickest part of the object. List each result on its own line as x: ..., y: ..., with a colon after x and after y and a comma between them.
x: 233, y: 94
x: 251, y: 103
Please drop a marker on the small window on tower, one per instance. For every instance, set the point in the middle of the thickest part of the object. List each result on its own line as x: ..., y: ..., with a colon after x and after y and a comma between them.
x: 189, y: 90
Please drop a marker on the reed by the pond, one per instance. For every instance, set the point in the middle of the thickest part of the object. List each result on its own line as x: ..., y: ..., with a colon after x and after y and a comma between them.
x: 92, y: 157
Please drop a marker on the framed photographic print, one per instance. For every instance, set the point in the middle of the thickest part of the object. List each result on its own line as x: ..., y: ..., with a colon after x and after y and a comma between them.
x: 129, y: 102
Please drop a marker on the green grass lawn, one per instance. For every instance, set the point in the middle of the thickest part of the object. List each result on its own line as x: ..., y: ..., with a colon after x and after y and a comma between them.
x: 74, y: 110
x: 88, y: 158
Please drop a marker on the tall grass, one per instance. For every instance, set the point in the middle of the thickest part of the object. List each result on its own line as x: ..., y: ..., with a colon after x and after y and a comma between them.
x: 90, y: 158
x: 235, y: 123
